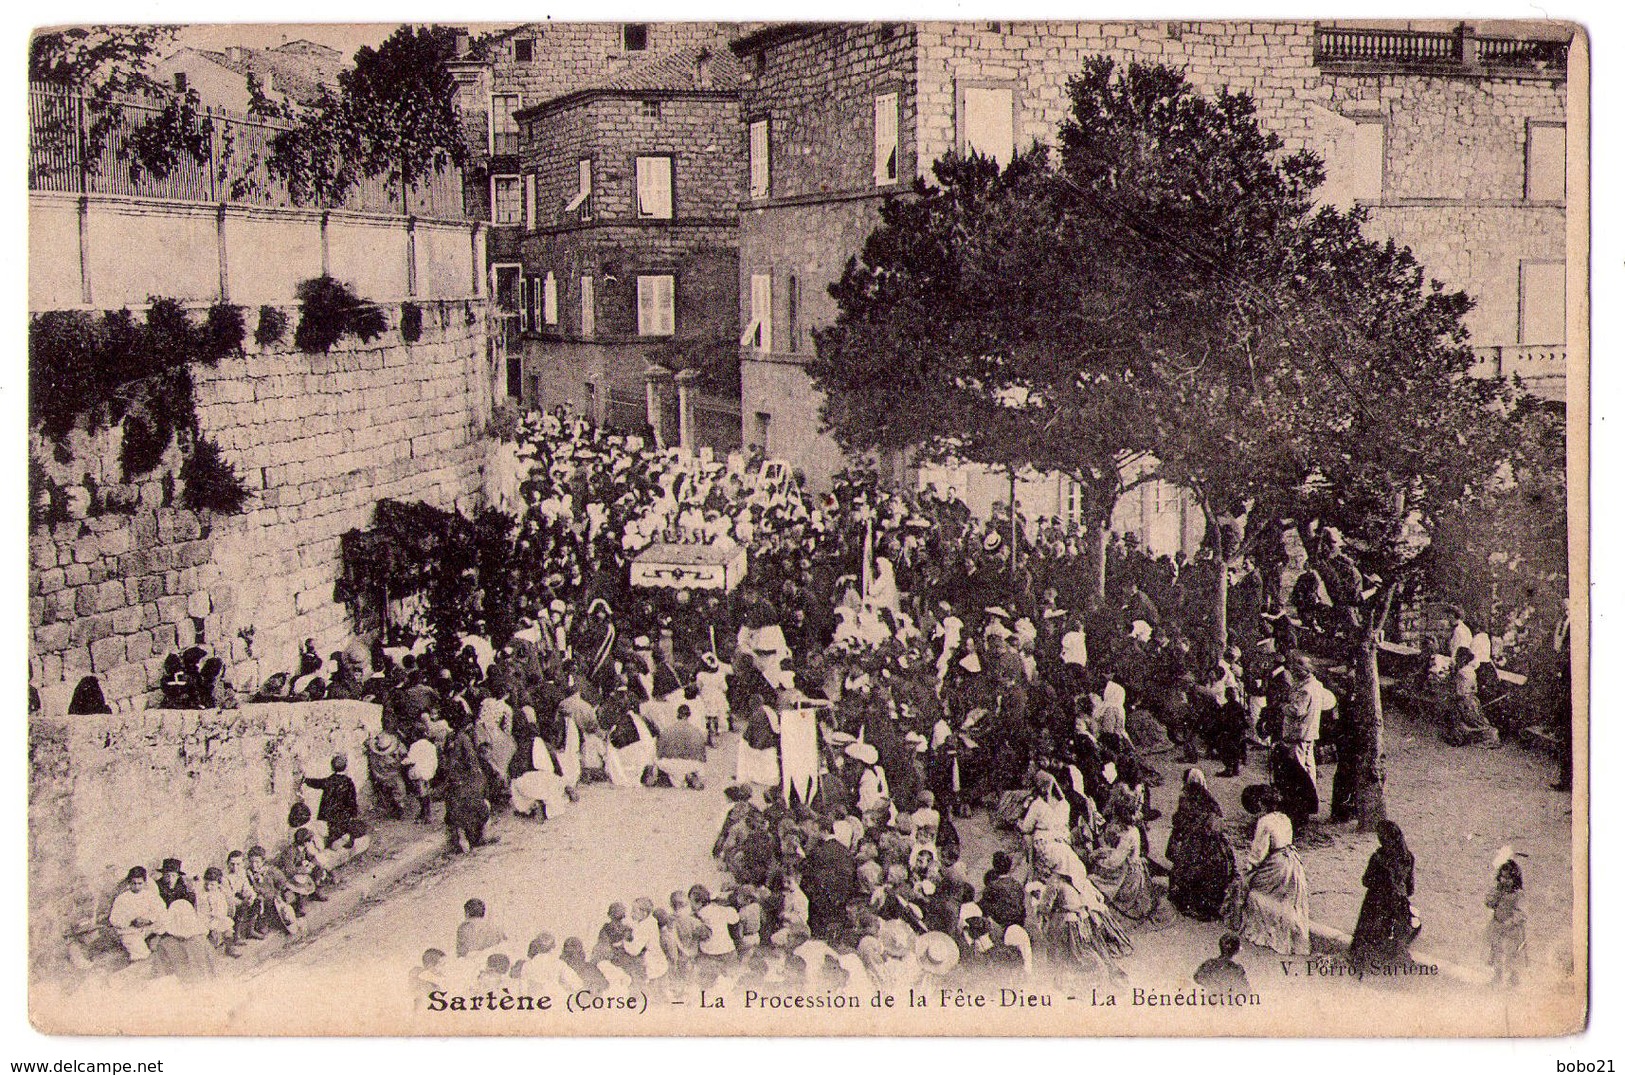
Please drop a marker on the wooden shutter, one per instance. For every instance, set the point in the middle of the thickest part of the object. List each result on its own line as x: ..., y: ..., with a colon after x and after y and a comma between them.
x: 666, y: 305
x: 530, y: 201
x: 589, y: 315
x: 761, y: 310
x: 885, y: 139
x: 550, y: 299
x: 654, y: 187
x: 759, y: 160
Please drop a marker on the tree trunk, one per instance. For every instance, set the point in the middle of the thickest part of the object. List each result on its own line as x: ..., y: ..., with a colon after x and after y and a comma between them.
x: 1097, y: 570
x: 1221, y: 584
x: 1012, y: 531
x: 1365, y: 713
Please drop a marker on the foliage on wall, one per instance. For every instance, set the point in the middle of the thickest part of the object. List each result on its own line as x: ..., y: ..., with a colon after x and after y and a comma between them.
x: 461, y: 566
x: 98, y: 371
x: 411, y: 322
x: 329, y: 311
x: 273, y: 327
x: 210, y: 483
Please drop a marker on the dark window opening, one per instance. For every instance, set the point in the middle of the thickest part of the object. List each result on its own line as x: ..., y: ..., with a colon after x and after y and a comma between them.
x: 524, y: 50
x: 635, y: 36
x: 180, y: 81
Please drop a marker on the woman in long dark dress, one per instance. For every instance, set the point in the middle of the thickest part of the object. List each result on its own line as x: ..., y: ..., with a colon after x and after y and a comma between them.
x: 1202, y: 864
x: 1383, y: 934
x: 467, y: 808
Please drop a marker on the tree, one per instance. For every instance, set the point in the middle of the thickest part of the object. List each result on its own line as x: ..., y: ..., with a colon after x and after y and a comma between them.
x: 90, y: 73
x: 1173, y: 289
x: 1189, y: 195
x: 969, y: 329
x: 392, y: 117
x: 1294, y: 363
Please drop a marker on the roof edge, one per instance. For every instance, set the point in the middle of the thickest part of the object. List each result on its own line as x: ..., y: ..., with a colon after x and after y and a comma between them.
x: 557, y: 104
x: 777, y: 34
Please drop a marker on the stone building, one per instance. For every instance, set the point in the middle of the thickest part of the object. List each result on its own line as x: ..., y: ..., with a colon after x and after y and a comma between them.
x: 1455, y: 138
x: 628, y: 249
x: 501, y: 73
x: 297, y: 71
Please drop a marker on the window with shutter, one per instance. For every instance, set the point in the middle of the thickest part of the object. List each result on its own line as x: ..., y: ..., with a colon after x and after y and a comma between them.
x: 589, y: 312
x: 761, y: 313
x: 656, y: 315
x: 1542, y: 301
x: 885, y: 139
x: 760, y: 175
x: 530, y: 201
x: 583, y: 197
x: 792, y: 314
x: 988, y: 121
x: 1546, y: 162
x: 654, y: 188
x: 550, y: 299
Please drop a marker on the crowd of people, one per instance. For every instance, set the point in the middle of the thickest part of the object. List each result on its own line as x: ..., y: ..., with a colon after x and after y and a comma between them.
x: 181, y: 922
x: 890, y: 665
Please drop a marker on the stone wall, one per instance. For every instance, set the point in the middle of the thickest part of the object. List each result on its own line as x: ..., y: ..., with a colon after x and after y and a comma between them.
x: 818, y: 94
x: 130, y: 789
x: 1453, y: 153
x: 568, y: 56
x: 783, y: 392
x: 319, y: 440
x: 80, y: 252
x: 700, y: 132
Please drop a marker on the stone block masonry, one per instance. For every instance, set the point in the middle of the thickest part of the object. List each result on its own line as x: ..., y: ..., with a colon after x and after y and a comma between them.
x: 130, y: 789
x: 320, y: 439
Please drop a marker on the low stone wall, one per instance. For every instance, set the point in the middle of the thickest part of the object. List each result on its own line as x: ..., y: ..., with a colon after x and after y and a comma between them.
x: 130, y: 789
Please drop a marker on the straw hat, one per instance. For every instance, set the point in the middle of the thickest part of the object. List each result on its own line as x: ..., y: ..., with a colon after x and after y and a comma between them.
x: 938, y: 953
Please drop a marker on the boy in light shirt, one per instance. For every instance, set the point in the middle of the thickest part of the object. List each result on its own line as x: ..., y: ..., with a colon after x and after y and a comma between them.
x: 645, y: 940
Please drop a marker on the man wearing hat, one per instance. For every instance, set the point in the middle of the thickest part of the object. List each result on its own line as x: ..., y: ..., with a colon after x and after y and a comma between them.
x: 172, y: 883
x: 385, y: 758
x: 137, y: 914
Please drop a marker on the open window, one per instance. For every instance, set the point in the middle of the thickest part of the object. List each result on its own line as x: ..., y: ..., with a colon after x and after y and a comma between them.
x: 987, y: 120
x: 758, y: 334
x: 1546, y: 161
x: 886, y: 140
x: 1542, y: 303
x: 581, y: 203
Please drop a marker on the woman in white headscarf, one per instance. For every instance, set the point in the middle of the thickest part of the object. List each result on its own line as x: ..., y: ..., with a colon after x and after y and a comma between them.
x: 1049, y: 816
x: 883, y: 587
x: 1078, y: 930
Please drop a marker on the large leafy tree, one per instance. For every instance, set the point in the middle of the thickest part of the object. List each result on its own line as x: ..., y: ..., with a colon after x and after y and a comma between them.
x: 1172, y: 287
x: 974, y: 328
x: 392, y: 117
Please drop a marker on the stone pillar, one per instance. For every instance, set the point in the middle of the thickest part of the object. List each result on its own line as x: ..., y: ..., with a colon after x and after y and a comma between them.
x: 656, y: 387
x: 687, y: 431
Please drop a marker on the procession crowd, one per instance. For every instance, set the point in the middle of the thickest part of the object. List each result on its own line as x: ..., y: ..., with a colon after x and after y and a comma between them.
x: 889, y: 666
